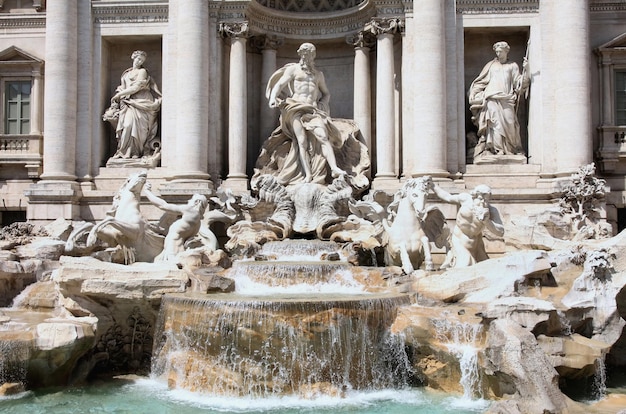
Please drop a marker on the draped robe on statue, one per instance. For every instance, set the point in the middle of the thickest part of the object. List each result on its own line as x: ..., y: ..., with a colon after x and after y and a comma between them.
x: 279, y: 156
x: 493, y: 102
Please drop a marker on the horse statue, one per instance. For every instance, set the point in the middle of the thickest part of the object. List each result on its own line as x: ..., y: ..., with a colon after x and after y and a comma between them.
x: 413, y: 227
x: 124, y: 227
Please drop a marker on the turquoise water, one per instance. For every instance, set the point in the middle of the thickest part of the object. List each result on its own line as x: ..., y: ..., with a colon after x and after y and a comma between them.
x: 152, y: 397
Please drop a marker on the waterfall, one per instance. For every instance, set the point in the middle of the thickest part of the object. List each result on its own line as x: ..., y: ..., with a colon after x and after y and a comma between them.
x: 460, y: 339
x: 243, y: 345
x: 599, y: 379
x: 14, y: 353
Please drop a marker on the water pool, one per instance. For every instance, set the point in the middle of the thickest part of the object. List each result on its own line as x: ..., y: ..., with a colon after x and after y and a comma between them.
x: 146, y: 396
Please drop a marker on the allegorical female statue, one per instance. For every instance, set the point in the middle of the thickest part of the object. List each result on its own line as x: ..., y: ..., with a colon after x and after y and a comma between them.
x: 133, y: 113
x: 494, y: 98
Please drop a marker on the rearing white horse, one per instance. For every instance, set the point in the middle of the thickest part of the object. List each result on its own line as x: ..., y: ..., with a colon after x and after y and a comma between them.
x: 407, y: 239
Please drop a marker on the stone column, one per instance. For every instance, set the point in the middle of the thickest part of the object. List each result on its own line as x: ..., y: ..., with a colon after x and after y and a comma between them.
x: 425, y: 142
x: 386, y: 171
x: 193, y: 88
x: 37, y: 95
x: 362, y: 88
x: 85, y: 98
x: 566, y: 85
x: 57, y: 194
x: 269, y: 116
x: 237, y: 33
x: 59, y: 144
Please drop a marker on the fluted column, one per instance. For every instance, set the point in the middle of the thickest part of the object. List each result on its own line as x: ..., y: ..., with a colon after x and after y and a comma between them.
x: 386, y: 170
x: 59, y: 144
x: 566, y: 84
x: 237, y: 33
x: 193, y: 86
x: 427, y: 57
x: 362, y: 89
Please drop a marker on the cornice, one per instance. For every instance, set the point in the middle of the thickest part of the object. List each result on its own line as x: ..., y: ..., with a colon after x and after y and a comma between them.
x: 119, y: 12
x: 496, y: 6
x: 27, y: 21
x: 600, y: 6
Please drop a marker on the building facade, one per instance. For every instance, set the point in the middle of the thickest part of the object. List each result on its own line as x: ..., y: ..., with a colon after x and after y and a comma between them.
x: 400, y: 69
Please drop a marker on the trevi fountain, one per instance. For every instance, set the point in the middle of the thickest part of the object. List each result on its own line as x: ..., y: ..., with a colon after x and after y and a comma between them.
x: 316, y: 291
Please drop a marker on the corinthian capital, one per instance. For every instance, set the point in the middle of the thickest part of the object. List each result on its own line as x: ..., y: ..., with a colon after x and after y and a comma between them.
x: 364, y: 38
x: 384, y: 25
x: 234, y: 29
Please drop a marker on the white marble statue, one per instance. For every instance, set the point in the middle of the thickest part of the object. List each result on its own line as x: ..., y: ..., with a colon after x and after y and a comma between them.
x: 309, y: 146
x: 413, y: 226
x: 475, y: 214
x: 183, y: 229
x: 123, y: 228
x: 133, y: 113
x: 494, y: 98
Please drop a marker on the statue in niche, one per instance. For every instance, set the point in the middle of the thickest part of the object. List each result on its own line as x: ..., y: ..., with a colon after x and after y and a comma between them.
x: 475, y: 215
x: 183, y: 229
x: 309, y: 146
x: 133, y: 113
x: 494, y: 98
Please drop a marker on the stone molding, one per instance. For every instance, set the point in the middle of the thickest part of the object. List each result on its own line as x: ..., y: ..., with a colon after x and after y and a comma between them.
x: 306, y: 25
x: 27, y: 21
x: 607, y: 6
x: 308, y: 6
x: 496, y: 6
x: 152, y: 12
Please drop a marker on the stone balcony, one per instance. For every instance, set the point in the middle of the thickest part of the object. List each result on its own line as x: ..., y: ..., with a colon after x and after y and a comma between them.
x: 22, y: 149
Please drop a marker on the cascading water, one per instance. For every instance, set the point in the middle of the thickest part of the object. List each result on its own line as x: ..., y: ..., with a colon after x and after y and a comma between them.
x: 599, y: 380
x: 298, y: 341
x: 233, y: 345
x: 461, y: 338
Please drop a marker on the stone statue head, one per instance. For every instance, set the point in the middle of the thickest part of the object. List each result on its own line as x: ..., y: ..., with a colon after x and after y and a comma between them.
x: 501, y: 45
x: 307, y: 49
x: 139, y: 54
x: 199, y: 200
x: 481, y: 190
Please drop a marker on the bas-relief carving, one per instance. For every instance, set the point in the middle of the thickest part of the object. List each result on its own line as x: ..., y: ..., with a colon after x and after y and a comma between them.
x: 494, y: 98
x: 134, y: 116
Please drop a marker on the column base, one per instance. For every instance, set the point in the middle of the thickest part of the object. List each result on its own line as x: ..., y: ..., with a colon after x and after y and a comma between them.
x: 238, y: 185
x: 388, y: 184
x: 184, y: 188
x: 50, y: 199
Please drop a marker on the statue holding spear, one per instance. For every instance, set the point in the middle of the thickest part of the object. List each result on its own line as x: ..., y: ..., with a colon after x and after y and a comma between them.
x: 494, y: 98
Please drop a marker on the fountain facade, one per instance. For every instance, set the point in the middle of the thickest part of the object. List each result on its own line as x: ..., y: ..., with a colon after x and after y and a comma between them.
x: 311, y: 202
